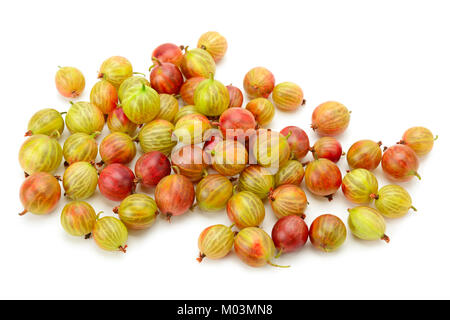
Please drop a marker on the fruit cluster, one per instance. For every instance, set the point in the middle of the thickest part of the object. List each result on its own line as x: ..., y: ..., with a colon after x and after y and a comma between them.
x: 235, y: 162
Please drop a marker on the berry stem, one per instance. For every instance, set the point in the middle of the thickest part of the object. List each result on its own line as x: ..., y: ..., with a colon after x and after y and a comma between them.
x: 385, y: 238
x: 87, y: 236
x: 28, y: 133
x: 277, y: 265
x: 436, y: 137
x: 414, y: 208
x: 200, y: 257
x: 123, y: 249
x: 374, y: 196
x: 23, y: 212
x: 279, y: 253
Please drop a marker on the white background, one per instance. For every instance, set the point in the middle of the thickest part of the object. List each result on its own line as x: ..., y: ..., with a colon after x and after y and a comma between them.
x: 387, y: 61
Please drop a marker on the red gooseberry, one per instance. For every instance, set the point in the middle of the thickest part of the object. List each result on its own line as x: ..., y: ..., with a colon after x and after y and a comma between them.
x: 290, y: 233
x: 151, y: 167
x: 298, y: 141
x: 400, y: 163
x: 328, y: 148
x: 323, y: 177
x: 165, y: 77
x: 116, y: 182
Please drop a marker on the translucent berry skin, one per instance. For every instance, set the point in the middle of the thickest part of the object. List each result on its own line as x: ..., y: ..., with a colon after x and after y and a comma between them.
x: 115, y: 70
x: 116, y: 182
x: 80, y: 147
x: 69, y: 82
x: 40, y: 153
x: 393, y: 201
x: 254, y: 247
x: 292, y: 172
x: 141, y: 104
x: 104, y: 96
x: 400, y: 163
x: 367, y: 224
x: 364, y: 154
x: 360, y: 186
x: 290, y: 234
x: 84, y: 117
x: 118, y: 122
x: 259, y: 82
x: 214, y: 43
x: 117, y: 147
x: 138, y: 211
x: 190, y: 129
x: 188, y: 161
x: 288, y: 199
x: 168, y: 52
x: 256, y: 179
x: 129, y: 83
x: 236, y: 97
x: 197, y: 63
x: 330, y: 118
x: 215, y: 242
x: 213, y: 192
x: 229, y: 157
x: 211, y: 97
x: 287, y: 96
x: 187, y: 90
x: 166, y: 78
x: 80, y: 180
x: 328, y: 148
x: 174, y: 195
x: 327, y: 233
x: 184, y: 111
x: 40, y: 193
x: 420, y: 139
x: 270, y: 148
x: 262, y: 109
x: 46, y: 121
x: 78, y: 218
x: 237, y: 123
x: 151, y: 167
x: 245, y: 209
x: 157, y: 136
x: 323, y: 177
x: 298, y: 141
x: 110, y: 234
x: 168, y: 107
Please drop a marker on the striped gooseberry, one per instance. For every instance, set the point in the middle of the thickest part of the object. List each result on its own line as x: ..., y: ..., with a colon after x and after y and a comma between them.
x: 292, y: 172
x: 69, y: 82
x: 323, y: 177
x: 40, y: 193
x: 168, y: 107
x: 364, y: 154
x: 117, y: 147
x: 110, y: 234
x: 287, y: 96
x: 80, y: 180
x: 190, y: 129
x: 129, y: 83
x: 157, y: 136
x: 184, y: 111
x: 256, y: 179
x: 117, y: 121
x: 104, y: 96
x: 78, y: 219
x: 40, y: 153
x: 288, y: 199
x: 116, y: 182
x: 141, y: 104
x: 400, y: 163
x: 259, y: 82
x: 327, y: 233
x: 115, y: 70
x: 330, y: 118
x: 188, y: 161
x: 187, y: 90
x: 174, y: 195
x: 262, y: 109
x: 327, y: 147
x: 255, y: 247
x: 270, y: 148
x: 290, y: 234
x: 245, y: 209
x: 137, y: 211
x: 237, y: 123
x: 298, y: 141
x: 360, y: 186
x: 84, y: 117
x: 367, y: 224
x: 215, y: 242
x: 420, y: 139
x: 214, y: 43
x: 80, y: 147
x: 165, y: 77
x: 197, y: 63
x: 393, y: 201
x: 236, y: 97
x: 151, y: 167
x: 211, y: 97
x: 213, y: 192
x: 229, y: 157
x: 169, y: 52
x: 46, y: 121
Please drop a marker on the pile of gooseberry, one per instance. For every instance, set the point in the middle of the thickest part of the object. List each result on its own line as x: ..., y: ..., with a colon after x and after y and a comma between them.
x: 212, y: 154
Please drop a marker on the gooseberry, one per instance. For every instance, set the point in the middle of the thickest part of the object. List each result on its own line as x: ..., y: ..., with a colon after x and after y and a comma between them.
x: 327, y: 233
x: 116, y: 182
x: 40, y: 193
